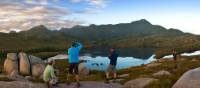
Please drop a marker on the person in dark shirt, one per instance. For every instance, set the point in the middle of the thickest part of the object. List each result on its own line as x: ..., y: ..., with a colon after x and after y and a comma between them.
x: 113, y: 62
x: 174, y: 55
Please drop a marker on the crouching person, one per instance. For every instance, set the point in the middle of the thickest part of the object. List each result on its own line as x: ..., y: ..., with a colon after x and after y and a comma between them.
x: 49, y: 75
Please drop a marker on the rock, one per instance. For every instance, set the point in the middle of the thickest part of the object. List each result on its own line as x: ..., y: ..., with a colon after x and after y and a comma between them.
x: 12, y: 56
x: 153, y: 64
x: 37, y: 70
x: 139, y: 83
x: 83, y: 70
x: 190, y: 79
x: 161, y: 73
x: 166, y: 60
x: 35, y: 60
x: 194, y: 60
x: 24, y: 66
x: 11, y: 64
x: 123, y: 75
x: 28, y: 78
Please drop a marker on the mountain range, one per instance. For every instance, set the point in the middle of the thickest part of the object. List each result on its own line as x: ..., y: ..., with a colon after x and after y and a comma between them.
x: 139, y: 33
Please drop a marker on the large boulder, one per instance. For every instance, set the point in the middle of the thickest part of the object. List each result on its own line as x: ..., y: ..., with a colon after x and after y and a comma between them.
x: 190, y: 79
x: 139, y: 83
x: 35, y: 60
x: 24, y: 66
x: 37, y: 70
x: 11, y: 64
x: 162, y: 73
x: 83, y: 70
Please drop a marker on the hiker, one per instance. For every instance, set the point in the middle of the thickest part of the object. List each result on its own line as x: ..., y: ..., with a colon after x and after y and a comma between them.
x: 73, y: 53
x: 112, y: 66
x: 174, y: 55
x: 175, y: 59
x: 49, y: 74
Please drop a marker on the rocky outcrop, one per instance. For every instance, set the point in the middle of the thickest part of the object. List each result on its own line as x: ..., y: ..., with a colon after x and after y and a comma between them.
x: 37, y: 70
x: 190, y: 79
x: 139, y: 83
x: 35, y: 60
x: 24, y: 65
x: 162, y: 73
x: 11, y: 64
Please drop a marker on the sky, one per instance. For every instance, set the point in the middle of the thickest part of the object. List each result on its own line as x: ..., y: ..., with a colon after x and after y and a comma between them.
x: 19, y: 15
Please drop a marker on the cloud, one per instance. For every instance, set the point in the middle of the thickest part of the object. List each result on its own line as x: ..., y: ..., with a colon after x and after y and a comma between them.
x: 21, y: 16
x: 24, y: 14
x: 94, y: 3
x: 41, y: 2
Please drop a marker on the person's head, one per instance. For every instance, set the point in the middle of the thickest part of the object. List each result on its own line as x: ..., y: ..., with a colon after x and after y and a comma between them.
x: 51, y: 62
x: 74, y: 44
x: 112, y: 49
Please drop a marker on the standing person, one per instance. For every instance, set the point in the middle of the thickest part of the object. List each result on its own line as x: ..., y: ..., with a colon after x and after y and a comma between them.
x: 73, y: 53
x: 174, y: 55
x: 175, y: 59
x: 112, y: 66
x: 49, y: 74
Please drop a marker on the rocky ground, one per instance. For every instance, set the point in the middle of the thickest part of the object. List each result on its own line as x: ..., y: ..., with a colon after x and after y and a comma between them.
x: 86, y: 84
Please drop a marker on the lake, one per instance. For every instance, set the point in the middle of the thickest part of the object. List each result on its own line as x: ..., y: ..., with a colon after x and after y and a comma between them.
x: 101, y: 63
x: 98, y: 60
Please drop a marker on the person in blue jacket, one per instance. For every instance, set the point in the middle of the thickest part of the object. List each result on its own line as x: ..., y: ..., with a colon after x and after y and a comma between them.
x: 73, y: 53
x: 112, y: 66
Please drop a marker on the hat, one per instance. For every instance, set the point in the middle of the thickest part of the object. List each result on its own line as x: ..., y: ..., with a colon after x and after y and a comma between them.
x: 51, y: 61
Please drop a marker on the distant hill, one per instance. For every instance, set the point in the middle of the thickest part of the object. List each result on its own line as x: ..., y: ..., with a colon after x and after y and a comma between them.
x: 139, y: 33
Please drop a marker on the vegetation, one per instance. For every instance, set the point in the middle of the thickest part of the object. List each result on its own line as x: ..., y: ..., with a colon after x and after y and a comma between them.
x: 176, y: 70
x: 136, y: 34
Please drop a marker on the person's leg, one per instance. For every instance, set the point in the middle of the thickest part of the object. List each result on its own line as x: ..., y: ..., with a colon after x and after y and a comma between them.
x: 107, y: 74
x: 114, y: 72
x: 70, y: 71
x: 76, y: 71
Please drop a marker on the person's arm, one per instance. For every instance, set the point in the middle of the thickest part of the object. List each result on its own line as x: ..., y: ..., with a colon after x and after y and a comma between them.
x: 53, y: 73
x: 110, y: 56
x: 80, y: 46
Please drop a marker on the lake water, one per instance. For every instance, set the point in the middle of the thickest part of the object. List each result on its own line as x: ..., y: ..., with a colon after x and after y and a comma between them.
x: 101, y: 63
x: 97, y: 60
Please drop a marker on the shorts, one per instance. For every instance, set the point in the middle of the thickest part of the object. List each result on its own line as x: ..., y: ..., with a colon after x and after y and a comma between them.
x: 111, y: 68
x: 73, y: 68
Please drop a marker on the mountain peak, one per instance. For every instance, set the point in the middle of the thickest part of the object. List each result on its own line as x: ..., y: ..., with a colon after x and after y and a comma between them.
x: 142, y: 21
x: 40, y: 27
